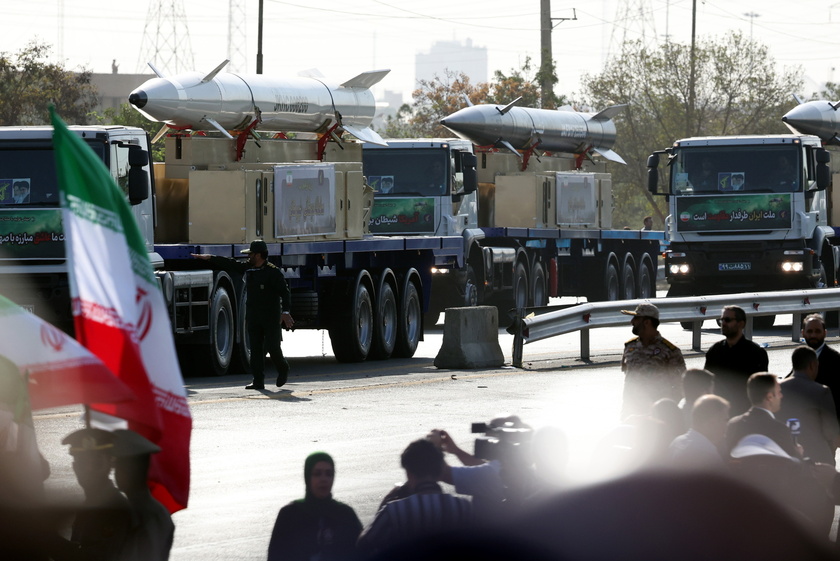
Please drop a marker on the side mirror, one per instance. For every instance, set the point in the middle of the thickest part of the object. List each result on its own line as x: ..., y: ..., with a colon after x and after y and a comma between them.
x: 823, y: 158
x: 138, y: 178
x: 468, y: 164
x: 653, y: 173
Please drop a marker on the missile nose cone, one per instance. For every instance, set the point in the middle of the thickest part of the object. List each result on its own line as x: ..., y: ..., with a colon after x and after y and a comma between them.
x: 812, y: 118
x: 138, y: 99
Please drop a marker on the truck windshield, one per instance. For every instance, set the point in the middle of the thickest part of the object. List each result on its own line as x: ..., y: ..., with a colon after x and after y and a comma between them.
x: 27, y: 175
x: 417, y: 172
x: 756, y: 169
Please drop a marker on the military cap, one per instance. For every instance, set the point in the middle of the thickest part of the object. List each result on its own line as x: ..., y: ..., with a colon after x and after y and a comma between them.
x: 257, y: 246
x: 90, y: 440
x: 128, y: 443
x: 643, y: 310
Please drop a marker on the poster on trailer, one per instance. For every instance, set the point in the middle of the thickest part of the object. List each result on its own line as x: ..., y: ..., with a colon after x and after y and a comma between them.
x: 304, y: 200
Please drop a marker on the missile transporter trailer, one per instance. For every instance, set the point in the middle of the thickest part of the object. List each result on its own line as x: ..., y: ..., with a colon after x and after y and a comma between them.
x: 527, y: 235
x: 748, y: 213
x: 307, y: 200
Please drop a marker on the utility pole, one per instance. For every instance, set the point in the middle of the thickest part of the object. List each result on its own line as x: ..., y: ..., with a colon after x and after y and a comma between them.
x: 547, y: 77
x: 689, y: 114
x: 259, y: 40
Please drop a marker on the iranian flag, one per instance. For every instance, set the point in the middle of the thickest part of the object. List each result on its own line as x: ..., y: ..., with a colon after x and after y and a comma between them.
x: 119, y: 312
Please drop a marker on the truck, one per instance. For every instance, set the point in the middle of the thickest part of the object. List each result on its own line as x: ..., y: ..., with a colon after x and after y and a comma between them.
x: 530, y: 227
x: 747, y: 213
x: 306, y: 197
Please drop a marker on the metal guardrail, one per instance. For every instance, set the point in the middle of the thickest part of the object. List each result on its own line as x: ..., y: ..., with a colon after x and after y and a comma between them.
x: 695, y: 309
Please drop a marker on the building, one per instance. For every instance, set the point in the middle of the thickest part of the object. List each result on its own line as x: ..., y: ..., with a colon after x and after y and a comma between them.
x: 453, y: 56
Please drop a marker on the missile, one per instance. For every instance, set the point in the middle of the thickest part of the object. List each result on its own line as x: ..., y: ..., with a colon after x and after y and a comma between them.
x: 819, y: 118
x: 522, y: 128
x: 224, y: 101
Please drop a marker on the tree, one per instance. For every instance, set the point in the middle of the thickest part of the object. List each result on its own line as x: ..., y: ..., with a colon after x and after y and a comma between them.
x: 439, y: 97
x: 29, y: 84
x: 738, y: 90
x: 521, y: 82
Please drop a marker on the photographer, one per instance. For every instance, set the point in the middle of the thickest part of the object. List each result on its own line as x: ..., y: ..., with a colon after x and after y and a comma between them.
x: 499, y: 476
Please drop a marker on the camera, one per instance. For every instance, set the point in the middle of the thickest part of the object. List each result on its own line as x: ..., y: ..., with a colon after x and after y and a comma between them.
x: 507, y: 440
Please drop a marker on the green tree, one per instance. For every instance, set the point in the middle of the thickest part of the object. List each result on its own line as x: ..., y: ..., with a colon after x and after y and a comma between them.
x: 520, y: 82
x: 29, y: 84
x: 439, y: 97
x: 126, y: 115
x: 737, y: 90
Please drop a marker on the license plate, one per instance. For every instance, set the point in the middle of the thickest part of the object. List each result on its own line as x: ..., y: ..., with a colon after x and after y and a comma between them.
x: 734, y: 266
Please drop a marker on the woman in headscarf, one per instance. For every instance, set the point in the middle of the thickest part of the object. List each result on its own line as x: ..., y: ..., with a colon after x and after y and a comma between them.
x: 316, y: 527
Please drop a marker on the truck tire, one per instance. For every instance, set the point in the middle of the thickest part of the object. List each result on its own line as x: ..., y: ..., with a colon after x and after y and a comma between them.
x: 539, y: 286
x: 242, y: 354
x: 218, y: 354
x: 609, y: 290
x: 764, y: 322
x: 646, y: 284
x: 384, y: 324
x: 408, y: 318
x: 352, y: 334
x: 520, y: 286
x: 627, y: 284
x: 471, y: 288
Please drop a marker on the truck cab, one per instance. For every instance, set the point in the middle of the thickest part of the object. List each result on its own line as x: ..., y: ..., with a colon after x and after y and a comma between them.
x: 747, y: 213
x: 32, y: 258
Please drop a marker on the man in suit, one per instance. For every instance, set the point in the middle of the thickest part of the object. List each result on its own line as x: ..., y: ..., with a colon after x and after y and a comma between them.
x: 813, y: 332
x: 765, y: 394
x: 809, y: 408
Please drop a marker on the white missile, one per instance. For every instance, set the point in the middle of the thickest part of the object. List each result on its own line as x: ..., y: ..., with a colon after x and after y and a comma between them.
x: 819, y: 118
x: 223, y: 101
x: 522, y: 128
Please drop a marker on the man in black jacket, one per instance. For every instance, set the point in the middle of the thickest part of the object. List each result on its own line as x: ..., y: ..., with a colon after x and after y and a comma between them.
x: 813, y: 332
x: 266, y: 308
x: 765, y: 394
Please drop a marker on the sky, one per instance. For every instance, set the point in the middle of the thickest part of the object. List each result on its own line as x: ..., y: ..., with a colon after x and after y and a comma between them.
x: 342, y: 38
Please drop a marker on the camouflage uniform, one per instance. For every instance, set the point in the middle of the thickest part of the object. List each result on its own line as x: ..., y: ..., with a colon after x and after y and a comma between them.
x: 651, y: 373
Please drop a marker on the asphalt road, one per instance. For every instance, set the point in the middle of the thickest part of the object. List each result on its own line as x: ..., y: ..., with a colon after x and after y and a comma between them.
x: 248, y: 448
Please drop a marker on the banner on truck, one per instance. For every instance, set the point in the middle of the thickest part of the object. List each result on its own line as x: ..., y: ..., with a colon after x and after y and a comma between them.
x: 403, y: 215
x: 304, y: 200
x: 726, y: 213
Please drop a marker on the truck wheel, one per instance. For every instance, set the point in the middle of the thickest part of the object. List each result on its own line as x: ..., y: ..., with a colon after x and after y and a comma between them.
x: 764, y: 322
x: 219, y: 352
x: 610, y: 289
x: 471, y: 288
x: 352, y: 335
x: 242, y: 354
x: 520, y: 286
x: 385, y: 324
x: 628, y: 281
x: 646, y: 283
x: 408, y: 330
x: 539, y: 287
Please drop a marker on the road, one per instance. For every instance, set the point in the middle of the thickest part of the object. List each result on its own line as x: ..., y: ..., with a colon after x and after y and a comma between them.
x: 248, y: 448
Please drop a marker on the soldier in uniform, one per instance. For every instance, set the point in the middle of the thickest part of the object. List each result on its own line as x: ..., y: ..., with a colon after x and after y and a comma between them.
x: 652, y: 365
x: 102, y: 525
x: 267, y: 308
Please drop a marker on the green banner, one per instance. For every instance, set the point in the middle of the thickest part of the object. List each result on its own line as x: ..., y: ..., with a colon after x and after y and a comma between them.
x: 723, y: 213
x: 31, y: 234
x: 399, y: 215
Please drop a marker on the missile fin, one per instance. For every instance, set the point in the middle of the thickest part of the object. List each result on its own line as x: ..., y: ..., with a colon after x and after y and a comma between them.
x: 610, y: 155
x: 218, y: 127
x: 509, y: 106
x: 366, y: 80
x: 467, y: 100
x: 366, y: 135
x: 160, y: 133
x: 608, y: 113
x: 214, y: 72
x: 508, y: 145
x: 798, y: 99
x: 155, y: 70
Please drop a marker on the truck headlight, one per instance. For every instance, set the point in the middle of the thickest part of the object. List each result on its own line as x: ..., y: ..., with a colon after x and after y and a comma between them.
x: 680, y: 269
x: 437, y: 271
x: 792, y: 266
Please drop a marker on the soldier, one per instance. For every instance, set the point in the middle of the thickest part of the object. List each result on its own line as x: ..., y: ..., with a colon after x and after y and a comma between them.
x: 268, y: 292
x: 150, y: 539
x: 102, y: 525
x: 652, y: 365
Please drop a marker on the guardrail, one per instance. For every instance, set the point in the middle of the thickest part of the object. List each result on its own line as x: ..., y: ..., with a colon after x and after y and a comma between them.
x: 695, y: 309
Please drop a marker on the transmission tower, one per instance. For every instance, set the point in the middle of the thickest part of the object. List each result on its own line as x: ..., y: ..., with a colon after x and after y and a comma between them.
x: 633, y: 22
x: 237, y: 37
x: 166, y: 38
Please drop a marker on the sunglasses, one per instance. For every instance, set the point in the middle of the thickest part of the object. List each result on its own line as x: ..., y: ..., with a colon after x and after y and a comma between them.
x: 725, y: 320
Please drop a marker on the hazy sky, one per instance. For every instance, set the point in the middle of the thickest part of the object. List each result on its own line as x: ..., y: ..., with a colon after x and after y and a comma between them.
x: 344, y: 37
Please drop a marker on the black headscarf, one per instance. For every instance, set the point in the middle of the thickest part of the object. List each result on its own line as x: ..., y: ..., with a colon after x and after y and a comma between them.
x: 309, y: 465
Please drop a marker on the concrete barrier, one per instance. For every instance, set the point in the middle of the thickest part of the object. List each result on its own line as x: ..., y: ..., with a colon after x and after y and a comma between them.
x: 470, y: 339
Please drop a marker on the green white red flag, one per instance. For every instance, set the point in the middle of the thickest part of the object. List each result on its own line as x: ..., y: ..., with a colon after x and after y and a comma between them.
x: 119, y: 312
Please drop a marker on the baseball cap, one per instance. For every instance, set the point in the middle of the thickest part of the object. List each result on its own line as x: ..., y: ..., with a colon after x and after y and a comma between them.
x: 257, y: 246
x: 644, y: 310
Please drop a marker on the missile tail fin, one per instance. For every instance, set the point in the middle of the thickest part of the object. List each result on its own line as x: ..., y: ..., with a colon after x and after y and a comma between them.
x: 365, y: 135
x: 160, y: 133
x: 214, y: 72
x: 157, y: 72
x: 608, y: 113
x: 610, y: 155
x: 366, y: 80
x: 218, y: 127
